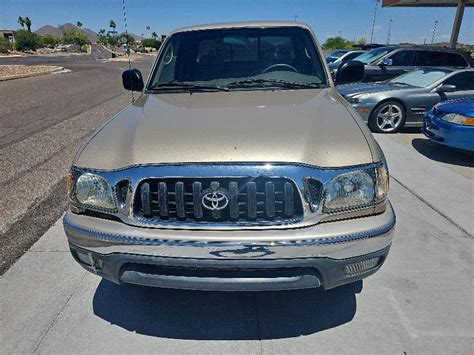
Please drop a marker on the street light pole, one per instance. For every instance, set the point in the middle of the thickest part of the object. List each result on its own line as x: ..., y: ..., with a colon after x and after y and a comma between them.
x: 389, y: 30
x: 372, y: 39
x: 434, y: 31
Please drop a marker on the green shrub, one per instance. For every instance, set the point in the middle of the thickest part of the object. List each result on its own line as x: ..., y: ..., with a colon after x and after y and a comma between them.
x: 77, y: 38
x: 50, y: 40
x: 337, y: 43
x: 25, y: 40
x: 151, y: 42
x: 5, y: 45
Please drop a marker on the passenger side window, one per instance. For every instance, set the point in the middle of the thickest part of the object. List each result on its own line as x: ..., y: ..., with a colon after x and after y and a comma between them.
x: 403, y: 58
x: 462, y: 81
x: 428, y: 59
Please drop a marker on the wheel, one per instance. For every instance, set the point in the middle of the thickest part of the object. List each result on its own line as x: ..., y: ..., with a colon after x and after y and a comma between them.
x: 389, y: 117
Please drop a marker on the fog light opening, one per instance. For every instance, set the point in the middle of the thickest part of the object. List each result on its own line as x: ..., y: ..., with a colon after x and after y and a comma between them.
x: 362, y: 266
x: 90, y: 261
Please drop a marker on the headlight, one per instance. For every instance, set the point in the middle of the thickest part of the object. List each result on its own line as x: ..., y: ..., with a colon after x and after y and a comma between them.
x: 359, y: 97
x: 93, y: 191
x: 350, y: 190
x: 459, y: 119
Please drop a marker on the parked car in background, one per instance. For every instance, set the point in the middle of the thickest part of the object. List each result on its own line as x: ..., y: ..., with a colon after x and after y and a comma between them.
x: 451, y: 123
x: 403, y: 101
x: 334, y: 55
x: 365, y: 58
x: 387, y: 62
x: 349, y: 56
x: 239, y: 168
x: 404, y: 59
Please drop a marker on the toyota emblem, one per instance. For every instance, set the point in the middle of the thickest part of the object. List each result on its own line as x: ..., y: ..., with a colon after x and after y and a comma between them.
x: 215, y: 200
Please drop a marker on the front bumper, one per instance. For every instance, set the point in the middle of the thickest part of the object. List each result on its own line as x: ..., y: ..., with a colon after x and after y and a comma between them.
x: 440, y: 131
x: 325, y: 255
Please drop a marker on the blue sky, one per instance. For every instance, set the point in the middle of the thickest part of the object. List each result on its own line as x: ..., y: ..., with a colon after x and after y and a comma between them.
x: 348, y: 18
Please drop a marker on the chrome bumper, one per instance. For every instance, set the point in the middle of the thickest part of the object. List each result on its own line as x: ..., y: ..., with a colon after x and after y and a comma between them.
x: 247, y: 260
x: 336, y: 240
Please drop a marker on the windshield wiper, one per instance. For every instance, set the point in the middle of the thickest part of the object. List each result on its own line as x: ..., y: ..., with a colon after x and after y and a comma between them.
x: 273, y: 82
x: 175, y: 85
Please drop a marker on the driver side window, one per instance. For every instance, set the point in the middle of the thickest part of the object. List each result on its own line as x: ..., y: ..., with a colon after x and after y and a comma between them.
x: 462, y: 81
x: 403, y: 58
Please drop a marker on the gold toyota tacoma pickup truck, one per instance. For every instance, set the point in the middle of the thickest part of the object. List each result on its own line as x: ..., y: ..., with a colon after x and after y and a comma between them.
x: 238, y: 168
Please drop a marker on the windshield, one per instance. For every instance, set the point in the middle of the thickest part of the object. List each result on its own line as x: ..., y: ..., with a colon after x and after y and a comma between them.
x: 420, y: 77
x: 336, y: 54
x: 234, y: 59
x: 373, y: 55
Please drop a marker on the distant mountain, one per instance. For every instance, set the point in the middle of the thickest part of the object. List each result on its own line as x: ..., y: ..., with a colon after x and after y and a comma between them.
x: 49, y: 30
x: 57, y: 31
x: 91, y: 35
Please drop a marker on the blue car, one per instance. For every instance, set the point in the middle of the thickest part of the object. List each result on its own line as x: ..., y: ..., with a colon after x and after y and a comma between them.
x: 451, y: 123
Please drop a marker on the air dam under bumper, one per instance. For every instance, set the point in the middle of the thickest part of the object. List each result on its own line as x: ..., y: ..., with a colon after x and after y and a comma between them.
x: 326, y: 255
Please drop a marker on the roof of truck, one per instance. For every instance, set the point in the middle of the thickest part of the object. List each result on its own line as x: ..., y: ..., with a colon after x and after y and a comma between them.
x: 252, y: 24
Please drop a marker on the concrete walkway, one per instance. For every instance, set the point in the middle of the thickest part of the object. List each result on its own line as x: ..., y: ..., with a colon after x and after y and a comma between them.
x: 419, y: 302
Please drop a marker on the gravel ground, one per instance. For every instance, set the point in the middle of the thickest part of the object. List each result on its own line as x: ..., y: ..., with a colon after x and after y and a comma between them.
x: 10, y: 71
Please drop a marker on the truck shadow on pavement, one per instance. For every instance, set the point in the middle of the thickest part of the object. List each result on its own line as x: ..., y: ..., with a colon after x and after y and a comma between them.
x: 197, y: 315
x: 443, y: 154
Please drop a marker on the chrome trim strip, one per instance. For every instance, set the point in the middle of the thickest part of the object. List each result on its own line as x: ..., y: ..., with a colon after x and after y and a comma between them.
x: 298, y: 173
x: 144, y: 241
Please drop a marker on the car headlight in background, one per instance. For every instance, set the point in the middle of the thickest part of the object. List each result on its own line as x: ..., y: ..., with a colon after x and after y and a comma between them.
x: 458, y: 119
x: 93, y: 191
x: 358, y: 98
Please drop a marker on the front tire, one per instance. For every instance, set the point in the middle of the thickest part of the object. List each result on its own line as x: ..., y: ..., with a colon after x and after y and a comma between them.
x: 388, y: 117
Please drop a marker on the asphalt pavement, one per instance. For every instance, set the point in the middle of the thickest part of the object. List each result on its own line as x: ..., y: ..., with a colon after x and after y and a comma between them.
x: 42, y: 126
x: 419, y: 302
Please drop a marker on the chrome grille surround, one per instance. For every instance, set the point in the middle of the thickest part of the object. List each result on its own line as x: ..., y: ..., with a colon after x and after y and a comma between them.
x: 250, y: 200
x: 296, y: 173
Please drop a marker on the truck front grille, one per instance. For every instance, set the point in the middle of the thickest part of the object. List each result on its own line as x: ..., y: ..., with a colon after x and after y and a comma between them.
x: 261, y: 200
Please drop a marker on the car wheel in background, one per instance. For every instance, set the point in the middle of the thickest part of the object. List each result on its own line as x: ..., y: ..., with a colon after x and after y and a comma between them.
x: 388, y: 117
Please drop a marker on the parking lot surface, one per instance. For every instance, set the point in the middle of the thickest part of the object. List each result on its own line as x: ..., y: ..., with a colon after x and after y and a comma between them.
x: 41, y: 129
x: 419, y: 302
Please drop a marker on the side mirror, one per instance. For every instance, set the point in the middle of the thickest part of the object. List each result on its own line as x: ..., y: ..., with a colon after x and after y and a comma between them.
x: 445, y: 88
x: 386, y: 62
x: 350, y: 72
x: 132, y: 80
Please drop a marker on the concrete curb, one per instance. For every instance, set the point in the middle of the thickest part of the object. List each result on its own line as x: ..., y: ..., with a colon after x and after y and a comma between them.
x: 31, y: 74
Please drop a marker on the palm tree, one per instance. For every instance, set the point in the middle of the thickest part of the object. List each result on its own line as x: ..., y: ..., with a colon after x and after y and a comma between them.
x: 28, y: 23
x: 102, y: 31
x: 21, y: 21
x: 79, y: 24
x: 112, y: 25
x: 154, y: 35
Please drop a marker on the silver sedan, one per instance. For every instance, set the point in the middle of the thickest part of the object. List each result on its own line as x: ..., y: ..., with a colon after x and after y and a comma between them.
x: 402, y: 101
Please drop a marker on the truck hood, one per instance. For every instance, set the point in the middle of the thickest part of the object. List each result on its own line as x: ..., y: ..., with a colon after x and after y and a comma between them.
x: 295, y: 126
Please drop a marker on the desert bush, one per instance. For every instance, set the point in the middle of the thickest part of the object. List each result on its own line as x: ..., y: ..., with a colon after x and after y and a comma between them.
x: 50, y: 40
x: 151, y: 42
x: 26, y: 40
x: 5, y: 45
x: 77, y: 38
